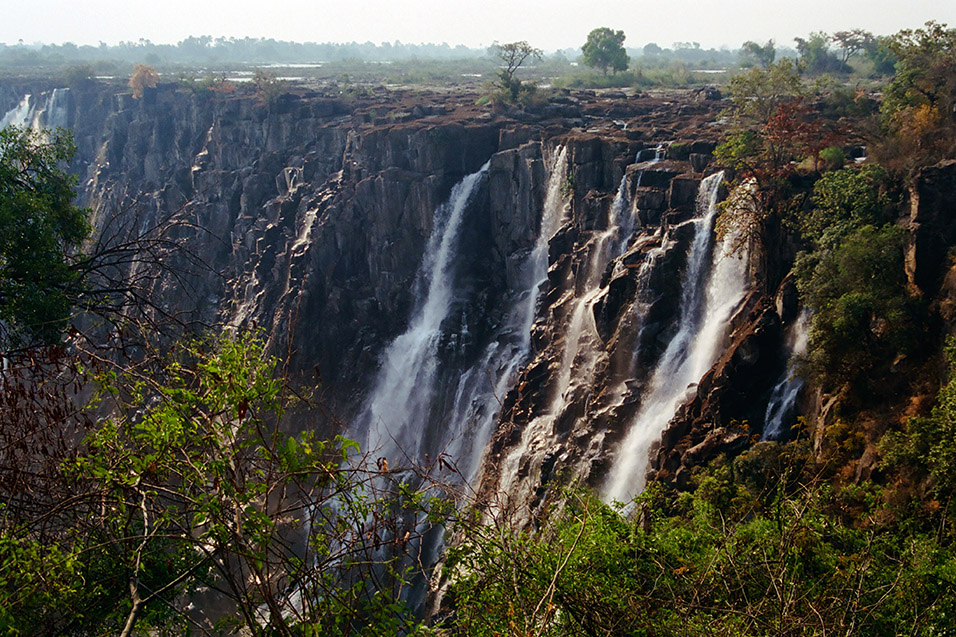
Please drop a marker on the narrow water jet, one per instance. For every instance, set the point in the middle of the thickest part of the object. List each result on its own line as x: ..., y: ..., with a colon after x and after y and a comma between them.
x: 715, y: 282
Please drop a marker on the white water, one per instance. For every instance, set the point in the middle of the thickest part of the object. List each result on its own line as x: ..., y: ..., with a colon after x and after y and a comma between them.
x: 45, y: 111
x: 714, y: 286
x: 399, y: 404
x: 783, y: 398
x: 481, y: 389
x: 580, y: 354
x: 405, y: 398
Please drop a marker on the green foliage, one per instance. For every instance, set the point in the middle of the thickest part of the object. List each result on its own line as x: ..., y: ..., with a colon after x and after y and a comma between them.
x: 844, y: 200
x: 604, y: 50
x: 763, y: 55
x: 79, y: 74
x: 267, y: 86
x: 863, y: 316
x: 40, y: 229
x: 760, y: 547
x: 758, y: 93
x: 851, y: 43
x: 815, y: 55
x: 853, y: 279
x: 193, y: 482
x: 832, y: 158
x: 917, y: 107
x: 881, y: 56
x: 927, y: 446
x: 512, y: 56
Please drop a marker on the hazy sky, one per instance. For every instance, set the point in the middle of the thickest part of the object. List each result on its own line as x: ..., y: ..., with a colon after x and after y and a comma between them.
x: 546, y: 24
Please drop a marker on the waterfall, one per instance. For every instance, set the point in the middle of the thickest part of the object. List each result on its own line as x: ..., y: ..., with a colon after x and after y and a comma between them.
x: 714, y: 286
x: 783, y: 399
x: 56, y: 113
x: 405, y: 398
x: 48, y: 110
x: 581, y: 352
x: 484, y: 385
x: 20, y: 115
x: 400, y: 402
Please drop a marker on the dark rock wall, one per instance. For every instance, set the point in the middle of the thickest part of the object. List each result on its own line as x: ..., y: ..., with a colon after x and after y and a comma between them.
x: 312, y: 220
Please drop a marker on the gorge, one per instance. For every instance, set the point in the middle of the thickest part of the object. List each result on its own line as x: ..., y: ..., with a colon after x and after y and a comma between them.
x: 536, y: 296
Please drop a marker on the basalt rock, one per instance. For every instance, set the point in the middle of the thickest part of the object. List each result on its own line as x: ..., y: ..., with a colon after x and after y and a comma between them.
x: 314, y: 214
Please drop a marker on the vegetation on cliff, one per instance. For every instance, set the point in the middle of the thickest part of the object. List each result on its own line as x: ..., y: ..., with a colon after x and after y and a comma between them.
x: 181, y: 480
x: 845, y: 528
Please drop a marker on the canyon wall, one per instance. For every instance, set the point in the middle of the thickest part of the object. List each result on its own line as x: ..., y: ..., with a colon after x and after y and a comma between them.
x: 538, y: 294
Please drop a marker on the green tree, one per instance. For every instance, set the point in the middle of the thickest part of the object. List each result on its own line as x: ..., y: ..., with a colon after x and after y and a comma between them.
x: 758, y: 93
x: 40, y: 231
x: 863, y: 315
x: 917, y: 107
x: 512, y: 56
x: 881, y: 56
x: 815, y: 55
x: 851, y: 43
x: 604, y: 50
x: 763, y: 55
x: 192, y: 482
x: 844, y: 200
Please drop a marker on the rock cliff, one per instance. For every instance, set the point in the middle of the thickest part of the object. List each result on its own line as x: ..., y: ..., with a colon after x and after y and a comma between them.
x: 313, y: 215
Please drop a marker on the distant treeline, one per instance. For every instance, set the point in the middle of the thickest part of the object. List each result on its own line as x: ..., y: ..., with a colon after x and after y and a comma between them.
x: 209, y: 50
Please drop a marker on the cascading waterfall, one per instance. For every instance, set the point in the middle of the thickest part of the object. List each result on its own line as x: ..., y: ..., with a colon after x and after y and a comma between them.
x: 404, y: 397
x: 783, y: 398
x: 400, y: 402
x: 485, y: 384
x: 21, y: 115
x: 46, y: 111
x: 580, y: 333
x: 714, y: 286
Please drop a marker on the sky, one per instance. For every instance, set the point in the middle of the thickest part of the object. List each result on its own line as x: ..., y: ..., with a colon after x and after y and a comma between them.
x: 549, y: 25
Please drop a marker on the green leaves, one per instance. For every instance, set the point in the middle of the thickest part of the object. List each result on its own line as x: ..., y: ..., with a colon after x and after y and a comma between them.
x: 604, y: 50
x: 761, y: 546
x: 854, y: 280
x: 194, y: 480
x: 40, y: 229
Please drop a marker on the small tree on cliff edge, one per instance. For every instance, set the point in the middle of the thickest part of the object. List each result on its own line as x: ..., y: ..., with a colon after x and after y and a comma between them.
x: 143, y: 77
x: 512, y: 56
x: 605, y: 50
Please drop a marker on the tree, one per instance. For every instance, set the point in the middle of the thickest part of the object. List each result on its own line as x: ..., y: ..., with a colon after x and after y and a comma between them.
x: 652, y: 49
x: 40, y: 230
x: 774, y: 130
x: 879, y: 53
x: 815, y: 56
x: 267, y: 85
x: 851, y: 42
x: 143, y: 77
x: 512, y: 55
x: 754, y: 53
x: 758, y: 93
x: 604, y: 49
x: 918, y: 105
x: 192, y: 481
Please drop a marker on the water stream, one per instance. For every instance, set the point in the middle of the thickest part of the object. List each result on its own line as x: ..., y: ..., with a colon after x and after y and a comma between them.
x: 714, y: 286
x: 781, y: 408
x: 402, y: 395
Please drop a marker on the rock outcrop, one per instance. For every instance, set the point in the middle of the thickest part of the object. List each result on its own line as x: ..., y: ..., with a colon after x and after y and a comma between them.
x: 311, y: 216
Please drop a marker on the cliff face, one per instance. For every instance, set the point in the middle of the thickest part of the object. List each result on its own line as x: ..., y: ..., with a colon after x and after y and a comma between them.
x: 583, y: 294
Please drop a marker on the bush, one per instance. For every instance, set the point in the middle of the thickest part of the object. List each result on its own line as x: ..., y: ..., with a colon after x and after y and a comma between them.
x: 832, y: 158
x: 863, y: 316
x: 760, y: 547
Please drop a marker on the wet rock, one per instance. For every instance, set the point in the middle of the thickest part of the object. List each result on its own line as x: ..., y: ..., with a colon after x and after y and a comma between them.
x: 932, y: 225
